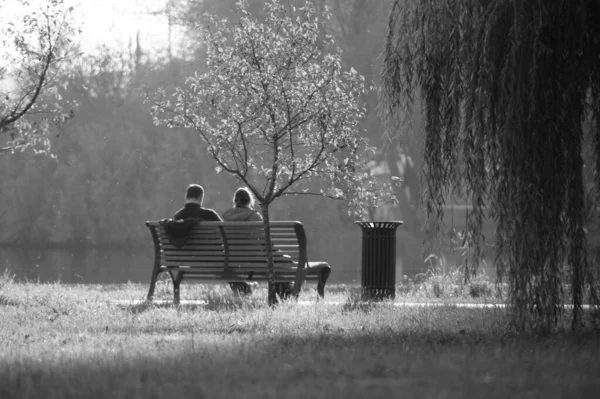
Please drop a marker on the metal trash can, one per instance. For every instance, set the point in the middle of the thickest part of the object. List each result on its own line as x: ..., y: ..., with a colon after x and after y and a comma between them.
x: 378, y: 275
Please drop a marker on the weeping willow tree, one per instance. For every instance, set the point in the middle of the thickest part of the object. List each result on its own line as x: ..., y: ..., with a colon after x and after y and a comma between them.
x: 504, y: 87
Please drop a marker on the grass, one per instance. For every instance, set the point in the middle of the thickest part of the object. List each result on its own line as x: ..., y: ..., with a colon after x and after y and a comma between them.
x: 94, y: 341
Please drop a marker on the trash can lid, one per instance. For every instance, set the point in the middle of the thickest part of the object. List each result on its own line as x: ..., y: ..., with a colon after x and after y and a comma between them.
x: 379, y: 224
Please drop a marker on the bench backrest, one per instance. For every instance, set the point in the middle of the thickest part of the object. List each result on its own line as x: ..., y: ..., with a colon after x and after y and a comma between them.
x: 234, y: 248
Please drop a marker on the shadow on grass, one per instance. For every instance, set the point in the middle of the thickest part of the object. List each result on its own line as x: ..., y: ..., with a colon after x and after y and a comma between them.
x: 326, y: 363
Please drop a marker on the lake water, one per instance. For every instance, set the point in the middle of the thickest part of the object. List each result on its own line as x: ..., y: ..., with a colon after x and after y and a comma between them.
x: 96, y: 266
x: 108, y: 266
x: 89, y: 266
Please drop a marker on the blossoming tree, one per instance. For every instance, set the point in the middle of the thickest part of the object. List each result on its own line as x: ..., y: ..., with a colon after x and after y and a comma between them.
x: 277, y: 111
x: 35, y: 48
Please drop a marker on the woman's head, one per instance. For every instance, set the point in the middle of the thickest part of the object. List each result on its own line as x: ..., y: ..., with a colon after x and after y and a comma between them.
x: 243, y: 198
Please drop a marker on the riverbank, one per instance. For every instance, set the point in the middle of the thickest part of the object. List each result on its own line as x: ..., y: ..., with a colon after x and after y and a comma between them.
x: 73, y: 341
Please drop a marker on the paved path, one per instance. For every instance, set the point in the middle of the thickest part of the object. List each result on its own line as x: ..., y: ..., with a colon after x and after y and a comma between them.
x: 124, y: 302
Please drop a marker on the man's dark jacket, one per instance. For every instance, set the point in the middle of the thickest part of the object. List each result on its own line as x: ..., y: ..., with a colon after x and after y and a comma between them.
x: 191, y: 210
x: 190, y: 215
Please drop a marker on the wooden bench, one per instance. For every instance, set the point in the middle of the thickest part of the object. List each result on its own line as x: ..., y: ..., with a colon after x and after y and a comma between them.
x: 230, y: 251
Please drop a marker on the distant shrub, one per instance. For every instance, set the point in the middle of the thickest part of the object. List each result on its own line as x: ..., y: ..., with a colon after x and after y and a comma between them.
x: 442, y: 284
x: 6, y: 279
x: 481, y: 288
x: 452, y: 283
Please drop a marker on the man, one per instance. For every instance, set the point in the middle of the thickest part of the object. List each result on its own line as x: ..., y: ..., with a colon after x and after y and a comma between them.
x: 193, y: 206
x: 193, y: 210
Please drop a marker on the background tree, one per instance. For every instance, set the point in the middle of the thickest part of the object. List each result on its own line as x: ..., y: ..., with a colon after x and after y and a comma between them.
x: 276, y: 110
x: 106, y: 158
x: 35, y: 44
x: 505, y: 87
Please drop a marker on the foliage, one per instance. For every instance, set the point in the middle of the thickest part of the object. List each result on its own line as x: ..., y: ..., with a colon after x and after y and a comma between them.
x: 277, y: 110
x: 273, y: 105
x: 35, y: 50
x: 505, y: 88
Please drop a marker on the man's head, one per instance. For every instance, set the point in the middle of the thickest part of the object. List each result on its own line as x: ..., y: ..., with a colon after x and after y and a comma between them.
x: 194, y: 193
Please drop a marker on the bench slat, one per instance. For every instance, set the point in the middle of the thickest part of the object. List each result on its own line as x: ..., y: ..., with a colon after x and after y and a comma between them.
x: 188, y: 264
x: 195, y: 247
x: 257, y: 241
x: 233, y: 250
x: 258, y: 264
x: 234, y: 278
x: 198, y: 263
x: 242, y: 271
x: 241, y: 277
x: 252, y: 255
x: 258, y: 232
x: 195, y: 234
x: 192, y: 241
x: 232, y: 253
x: 191, y: 252
x: 237, y: 270
x: 245, y: 268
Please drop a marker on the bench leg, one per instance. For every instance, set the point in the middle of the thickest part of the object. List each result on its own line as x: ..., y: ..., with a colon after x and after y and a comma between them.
x: 271, y: 294
x: 323, y: 270
x: 323, y: 276
x: 176, y: 284
x: 153, y: 280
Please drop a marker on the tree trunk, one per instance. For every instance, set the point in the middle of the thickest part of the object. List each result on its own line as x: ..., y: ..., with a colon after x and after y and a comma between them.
x: 272, y: 295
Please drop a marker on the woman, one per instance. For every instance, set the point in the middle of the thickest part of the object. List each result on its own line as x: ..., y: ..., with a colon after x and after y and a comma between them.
x: 242, y: 211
